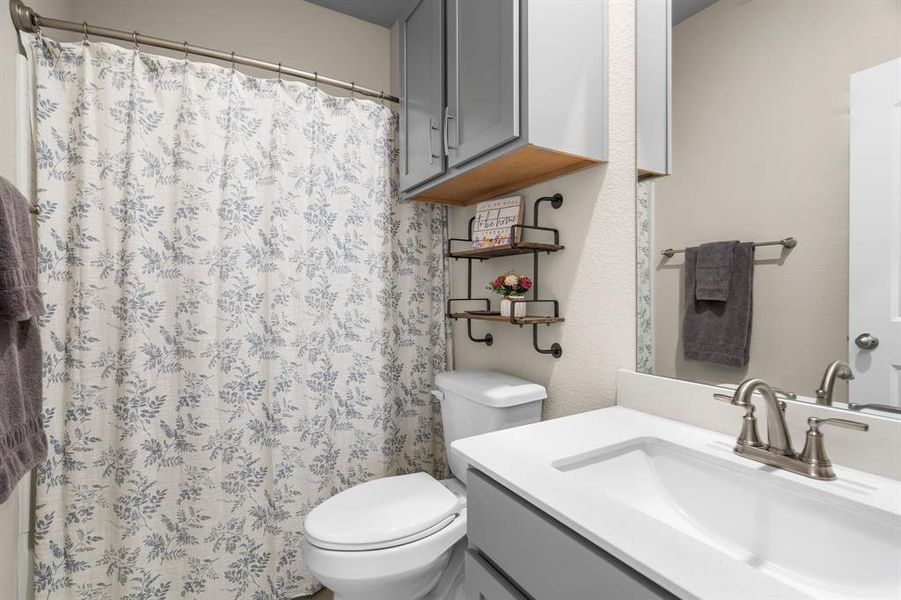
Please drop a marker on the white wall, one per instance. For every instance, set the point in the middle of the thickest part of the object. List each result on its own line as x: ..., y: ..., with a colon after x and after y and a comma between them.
x: 760, y: 148
x: 294, y: 32
x: 593, y: 277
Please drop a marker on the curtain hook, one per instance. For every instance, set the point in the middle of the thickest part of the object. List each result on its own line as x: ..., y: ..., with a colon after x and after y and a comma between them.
x: 353, y: 88
x: 316, y: 79
x: 233, y: 60
x: 382, y: 97
x: 134, y: 39
x: 186, y: 50
x: 84, y: 28
x: 279, y: 71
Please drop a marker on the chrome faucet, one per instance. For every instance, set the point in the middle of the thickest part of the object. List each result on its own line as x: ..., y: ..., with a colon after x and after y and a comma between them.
x: 813, y: 461
x: 836, y: 370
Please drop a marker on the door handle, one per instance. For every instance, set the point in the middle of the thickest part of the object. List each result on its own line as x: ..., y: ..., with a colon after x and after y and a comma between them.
x: 447, y: 118
x: 432, y: 155
x: 867, y: 341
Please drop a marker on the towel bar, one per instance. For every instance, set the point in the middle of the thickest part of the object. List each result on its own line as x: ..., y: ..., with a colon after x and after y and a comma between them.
x: 788, y: 242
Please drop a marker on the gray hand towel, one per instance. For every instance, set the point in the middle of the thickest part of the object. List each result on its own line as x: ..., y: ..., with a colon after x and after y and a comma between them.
x: 23, y: 444
x: 713, y: 272
x: 20, y: 299
x: 714, y: 331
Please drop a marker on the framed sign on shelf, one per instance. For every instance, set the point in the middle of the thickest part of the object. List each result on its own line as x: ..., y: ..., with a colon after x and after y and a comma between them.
x: 493, y: 221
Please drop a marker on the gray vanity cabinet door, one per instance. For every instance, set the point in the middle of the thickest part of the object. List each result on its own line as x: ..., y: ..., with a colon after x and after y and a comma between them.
x: 482, y: 582
x: 541, y: 556
x: 422, y: 94
x: 482, y: 76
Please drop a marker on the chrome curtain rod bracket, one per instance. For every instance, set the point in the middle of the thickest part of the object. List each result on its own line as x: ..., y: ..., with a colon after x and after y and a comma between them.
x: 788, y: 242
x: 25, y: 19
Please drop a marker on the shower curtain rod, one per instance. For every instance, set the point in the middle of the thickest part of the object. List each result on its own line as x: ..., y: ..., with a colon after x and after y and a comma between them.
x: 26, y: 19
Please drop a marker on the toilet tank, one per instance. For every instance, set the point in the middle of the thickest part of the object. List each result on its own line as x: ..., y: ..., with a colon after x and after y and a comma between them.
x: 475, y: 402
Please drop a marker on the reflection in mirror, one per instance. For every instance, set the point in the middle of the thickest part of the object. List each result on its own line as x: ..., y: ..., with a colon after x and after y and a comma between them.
x: 785, y: 122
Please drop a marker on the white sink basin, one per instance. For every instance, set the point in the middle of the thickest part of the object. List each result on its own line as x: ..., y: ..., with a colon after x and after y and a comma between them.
x: 821, y: 543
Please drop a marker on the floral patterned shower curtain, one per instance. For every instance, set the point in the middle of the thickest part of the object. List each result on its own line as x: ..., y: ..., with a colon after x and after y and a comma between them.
x: 243, y: 319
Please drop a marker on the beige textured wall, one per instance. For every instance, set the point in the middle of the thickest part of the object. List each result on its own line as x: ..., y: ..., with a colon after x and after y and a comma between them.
x: 760, y: 152
x: 594, y: 277
x: 294, y: 32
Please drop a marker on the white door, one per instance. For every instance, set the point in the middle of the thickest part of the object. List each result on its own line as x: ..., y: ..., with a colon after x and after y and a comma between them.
x: 875, y: 235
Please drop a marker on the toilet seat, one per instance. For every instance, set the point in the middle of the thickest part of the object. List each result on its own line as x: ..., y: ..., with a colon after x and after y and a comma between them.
x: 383, y: 513
x: 389, y: 573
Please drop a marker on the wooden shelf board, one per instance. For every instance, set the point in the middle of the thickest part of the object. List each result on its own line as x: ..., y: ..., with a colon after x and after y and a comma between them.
x: 505, y: 250
x: 527, y: 320
x: 646, y: 174
x: 511, y: 172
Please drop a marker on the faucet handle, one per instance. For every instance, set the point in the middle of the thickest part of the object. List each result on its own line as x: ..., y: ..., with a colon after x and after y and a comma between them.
x: 725, y: 398
x: 814, y: 453
x: 779, y: 392
x: 749, y: 435
x: 785, y: 393
x: 815, y: 423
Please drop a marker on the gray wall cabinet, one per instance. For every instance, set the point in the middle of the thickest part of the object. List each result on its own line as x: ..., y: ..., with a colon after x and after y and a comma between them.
x: 517, y: 552
x: 523, y: 95
x: 482, y: 77
x: 654, y: 26
x: 422, y: 87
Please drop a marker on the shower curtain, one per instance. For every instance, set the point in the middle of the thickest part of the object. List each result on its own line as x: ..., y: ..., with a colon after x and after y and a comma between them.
x: 243, y: 319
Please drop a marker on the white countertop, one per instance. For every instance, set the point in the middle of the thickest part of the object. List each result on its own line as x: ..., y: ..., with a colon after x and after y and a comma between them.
x: 521, y: 459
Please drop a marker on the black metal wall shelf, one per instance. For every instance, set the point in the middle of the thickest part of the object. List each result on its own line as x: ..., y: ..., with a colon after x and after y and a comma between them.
x: 470, y: 254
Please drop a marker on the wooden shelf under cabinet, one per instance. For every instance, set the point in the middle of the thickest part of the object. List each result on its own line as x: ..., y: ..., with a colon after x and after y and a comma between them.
x: 647, y: 174
x: 514, y: 171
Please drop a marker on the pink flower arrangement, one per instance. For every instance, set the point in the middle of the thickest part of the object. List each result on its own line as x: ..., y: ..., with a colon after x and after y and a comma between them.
x: 511, y: 284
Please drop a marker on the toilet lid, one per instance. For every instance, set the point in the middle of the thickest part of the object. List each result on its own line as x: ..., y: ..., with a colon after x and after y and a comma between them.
x: 382, y: 513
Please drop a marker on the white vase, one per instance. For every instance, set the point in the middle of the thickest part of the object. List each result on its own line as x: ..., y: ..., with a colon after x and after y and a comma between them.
x: 520, y: 307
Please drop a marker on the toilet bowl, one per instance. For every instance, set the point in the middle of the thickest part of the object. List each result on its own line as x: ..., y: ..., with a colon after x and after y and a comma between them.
x: 403, y: 537
x: 396, y: 568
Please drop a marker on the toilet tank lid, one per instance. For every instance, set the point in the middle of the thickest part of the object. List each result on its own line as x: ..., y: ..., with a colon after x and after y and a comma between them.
x: 490, y: 388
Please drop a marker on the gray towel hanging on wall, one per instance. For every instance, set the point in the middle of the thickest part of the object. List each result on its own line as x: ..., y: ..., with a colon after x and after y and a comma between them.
x: 23, y: 443
x: 719, y: 332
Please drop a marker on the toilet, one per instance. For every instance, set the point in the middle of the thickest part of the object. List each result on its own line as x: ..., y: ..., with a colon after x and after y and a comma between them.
x: 403, y: 537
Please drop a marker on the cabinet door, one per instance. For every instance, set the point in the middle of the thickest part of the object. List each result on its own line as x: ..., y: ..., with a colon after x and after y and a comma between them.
x: 654, y: 39
x: 422, y: 93
x: 540, y: 555
x: 482, y: 76
x: 482, y: 582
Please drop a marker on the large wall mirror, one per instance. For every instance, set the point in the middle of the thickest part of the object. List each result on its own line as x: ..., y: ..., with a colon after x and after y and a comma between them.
x: 785, y: 123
